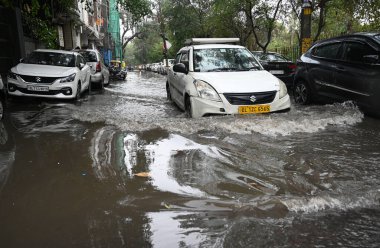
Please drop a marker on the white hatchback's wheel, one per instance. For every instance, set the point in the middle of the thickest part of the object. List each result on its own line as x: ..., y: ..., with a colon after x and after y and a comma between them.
x: 79, y: 89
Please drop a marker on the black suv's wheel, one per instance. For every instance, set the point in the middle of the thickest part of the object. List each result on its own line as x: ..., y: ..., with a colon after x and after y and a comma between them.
x: 302, y: 93
x: 188, y: 107
x: 168, y: 93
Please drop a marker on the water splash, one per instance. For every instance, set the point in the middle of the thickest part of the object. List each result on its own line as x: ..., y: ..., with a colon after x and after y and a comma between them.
x: 321, y: 203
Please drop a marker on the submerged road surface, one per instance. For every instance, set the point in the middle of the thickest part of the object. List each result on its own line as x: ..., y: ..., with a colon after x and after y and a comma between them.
x: 126, y: 168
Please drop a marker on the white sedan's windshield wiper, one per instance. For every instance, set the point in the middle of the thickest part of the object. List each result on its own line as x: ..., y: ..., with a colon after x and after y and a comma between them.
x: 223, y: 69
x: 253, y: 68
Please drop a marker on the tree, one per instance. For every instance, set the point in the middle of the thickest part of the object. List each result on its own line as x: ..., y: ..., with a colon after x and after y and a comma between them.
x: 133, y: 12
x: 186, y: 19
x: 237, y: 24
x: 262, y: 16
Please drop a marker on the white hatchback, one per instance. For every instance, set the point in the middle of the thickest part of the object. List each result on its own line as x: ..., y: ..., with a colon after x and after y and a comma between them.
x: 50, y: 73
x: 211, y: 77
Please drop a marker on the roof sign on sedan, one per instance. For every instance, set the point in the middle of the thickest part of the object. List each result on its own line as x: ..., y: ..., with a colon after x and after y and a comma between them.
x: 199, y: 41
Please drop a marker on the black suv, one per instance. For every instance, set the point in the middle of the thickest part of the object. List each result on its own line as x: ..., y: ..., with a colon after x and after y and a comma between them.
x: 342, y: 68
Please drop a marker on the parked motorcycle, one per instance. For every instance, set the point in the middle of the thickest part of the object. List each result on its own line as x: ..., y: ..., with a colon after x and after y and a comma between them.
x: 116, y: 73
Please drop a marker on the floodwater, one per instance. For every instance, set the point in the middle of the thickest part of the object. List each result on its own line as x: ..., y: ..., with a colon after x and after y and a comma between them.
x: 126, y: 168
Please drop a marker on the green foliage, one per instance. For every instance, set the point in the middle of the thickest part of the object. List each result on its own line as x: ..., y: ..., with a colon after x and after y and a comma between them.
x: 41, y: 30
x: 137, y: 8
x: 38, y: 17
x: 148, y: 49
x: 186, y: 19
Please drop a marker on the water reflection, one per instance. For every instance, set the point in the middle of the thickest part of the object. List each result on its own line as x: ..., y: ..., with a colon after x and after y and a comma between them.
x: 101, y: 152
x: 175, y: 229
x: 161, y: 169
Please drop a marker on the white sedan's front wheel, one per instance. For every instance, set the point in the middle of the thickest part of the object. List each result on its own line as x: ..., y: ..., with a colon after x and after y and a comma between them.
x: 168, y: 93
x: 188, y: 107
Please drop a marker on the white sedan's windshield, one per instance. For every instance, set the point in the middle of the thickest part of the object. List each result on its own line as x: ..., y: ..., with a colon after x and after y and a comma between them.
x: 224, y: 59
x: 51, y: 58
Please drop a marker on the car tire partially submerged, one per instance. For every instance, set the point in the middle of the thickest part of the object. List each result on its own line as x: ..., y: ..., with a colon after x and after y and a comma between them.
x: 302, y: 93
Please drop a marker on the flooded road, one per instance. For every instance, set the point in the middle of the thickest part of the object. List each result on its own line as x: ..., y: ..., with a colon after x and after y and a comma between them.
x: 126, y: 168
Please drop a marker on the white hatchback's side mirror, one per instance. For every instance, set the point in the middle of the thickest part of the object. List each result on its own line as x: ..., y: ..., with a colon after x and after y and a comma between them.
x: 81, y: 65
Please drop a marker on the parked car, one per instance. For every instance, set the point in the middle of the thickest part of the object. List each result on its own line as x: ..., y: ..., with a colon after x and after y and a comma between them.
x: 278, y: 65
x: 51, y: 74
x: 340, y: 69
x: 2, y: 98
x: 99, y: 71
x: 211, y: 77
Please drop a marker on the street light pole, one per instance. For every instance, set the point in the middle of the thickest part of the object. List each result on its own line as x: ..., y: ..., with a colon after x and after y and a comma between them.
x: 306, y: 26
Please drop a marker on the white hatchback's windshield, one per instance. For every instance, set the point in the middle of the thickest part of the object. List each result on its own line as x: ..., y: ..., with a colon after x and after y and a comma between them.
x: 51, y: 58
x: 224, y: 59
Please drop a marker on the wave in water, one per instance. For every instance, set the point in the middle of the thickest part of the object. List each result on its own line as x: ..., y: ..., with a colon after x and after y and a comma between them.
x: 321, y: 203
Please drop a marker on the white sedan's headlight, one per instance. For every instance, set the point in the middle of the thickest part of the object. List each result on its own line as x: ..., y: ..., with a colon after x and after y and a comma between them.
x: 283, y: 89
x: 206, y: 91
x: 68, y: 79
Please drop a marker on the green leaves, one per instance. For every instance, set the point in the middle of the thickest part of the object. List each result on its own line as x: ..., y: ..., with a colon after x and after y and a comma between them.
x: 137, y: 8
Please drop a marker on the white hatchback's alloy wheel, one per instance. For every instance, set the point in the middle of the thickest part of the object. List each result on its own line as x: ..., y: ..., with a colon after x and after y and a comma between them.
x: 79, y: 89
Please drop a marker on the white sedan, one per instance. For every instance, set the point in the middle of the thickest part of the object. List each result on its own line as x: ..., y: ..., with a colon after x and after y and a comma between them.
x: 50, y: 73
x: 210, y: 77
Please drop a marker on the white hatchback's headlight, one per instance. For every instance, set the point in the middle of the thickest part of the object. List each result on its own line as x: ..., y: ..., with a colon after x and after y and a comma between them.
x: 283, y: 89
x: 12, y: 75
x: 206, y: 91
x: 68, y: 79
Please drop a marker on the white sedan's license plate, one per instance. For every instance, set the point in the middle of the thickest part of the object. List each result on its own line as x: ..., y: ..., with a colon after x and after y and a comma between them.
x: 254, y: 109
x: 277, y: 72
x: 38, y: 88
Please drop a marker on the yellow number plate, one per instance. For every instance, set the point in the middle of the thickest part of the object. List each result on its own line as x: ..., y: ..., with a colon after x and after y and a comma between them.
x: 254, y: 109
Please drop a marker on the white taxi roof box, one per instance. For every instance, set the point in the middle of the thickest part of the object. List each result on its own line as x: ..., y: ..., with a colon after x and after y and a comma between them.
x: 201, y: 41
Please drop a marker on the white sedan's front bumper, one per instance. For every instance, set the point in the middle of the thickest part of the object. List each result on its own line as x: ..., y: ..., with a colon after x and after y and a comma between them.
x: 202, y: 107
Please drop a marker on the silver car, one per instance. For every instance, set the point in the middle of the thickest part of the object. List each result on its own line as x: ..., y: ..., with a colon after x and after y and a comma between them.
x: 99, y: 72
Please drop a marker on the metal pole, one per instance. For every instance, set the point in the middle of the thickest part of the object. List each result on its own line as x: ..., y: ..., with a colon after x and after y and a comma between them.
x: 306, y: 26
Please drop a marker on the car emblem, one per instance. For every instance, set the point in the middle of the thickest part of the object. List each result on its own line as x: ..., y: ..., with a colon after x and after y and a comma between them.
x: 38, y: 80
x: 253, y: 98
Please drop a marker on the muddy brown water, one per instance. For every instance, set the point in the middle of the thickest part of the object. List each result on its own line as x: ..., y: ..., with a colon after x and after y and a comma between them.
x: 126, y: 168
